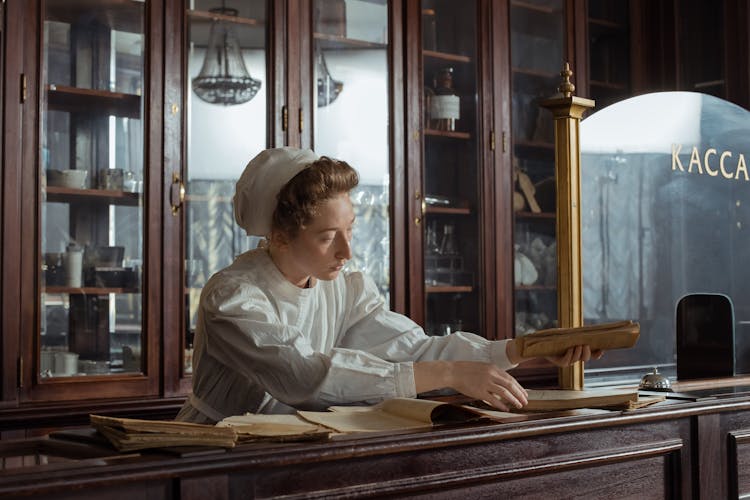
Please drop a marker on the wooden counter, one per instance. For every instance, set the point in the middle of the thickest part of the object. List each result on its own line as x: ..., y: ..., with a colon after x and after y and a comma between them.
x: 674, y: 449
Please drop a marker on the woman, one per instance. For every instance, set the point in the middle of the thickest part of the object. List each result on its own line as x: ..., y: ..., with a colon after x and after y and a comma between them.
x: 284, y: 328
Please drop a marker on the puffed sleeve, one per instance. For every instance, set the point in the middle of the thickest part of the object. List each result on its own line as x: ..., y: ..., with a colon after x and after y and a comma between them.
x: 373, y: 328
x: 242, y: 330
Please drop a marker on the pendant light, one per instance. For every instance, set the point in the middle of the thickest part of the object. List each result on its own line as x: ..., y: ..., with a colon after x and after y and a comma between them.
x: 328, y: 88
x: 223, y: 78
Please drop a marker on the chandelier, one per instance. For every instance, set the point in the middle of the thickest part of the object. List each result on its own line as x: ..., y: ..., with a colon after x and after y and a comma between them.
x: 328, y: 88
x: 223, y: 78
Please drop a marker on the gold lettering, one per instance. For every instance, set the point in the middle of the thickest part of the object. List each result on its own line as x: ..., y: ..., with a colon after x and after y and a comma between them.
x: 695, y: 158
x: 709, y: 170
x: 676, y: 163
x: 741, y: 166
x: 721, y: 160
x: 721, y: 164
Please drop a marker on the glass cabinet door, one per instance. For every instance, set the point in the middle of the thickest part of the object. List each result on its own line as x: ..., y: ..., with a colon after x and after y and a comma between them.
x: 226, y: 90
x: 350, y: 109
x: 537, y: 44
x: 91, y: 157
x: 609, y: 51
x: 451, y: 174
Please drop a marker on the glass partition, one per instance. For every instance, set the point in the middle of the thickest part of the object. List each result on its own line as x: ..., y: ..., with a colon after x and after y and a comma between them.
x: 351, y: 103
x: 537, y: 43
x: 91, y: 171
x: 226, y: 89
x: 665, y: 211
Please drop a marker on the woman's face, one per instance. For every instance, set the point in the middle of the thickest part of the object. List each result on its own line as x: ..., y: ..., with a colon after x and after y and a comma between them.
x: 321, y: 248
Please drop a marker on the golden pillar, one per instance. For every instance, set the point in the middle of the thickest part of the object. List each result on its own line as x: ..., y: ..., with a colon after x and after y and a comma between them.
x: 567, y: 111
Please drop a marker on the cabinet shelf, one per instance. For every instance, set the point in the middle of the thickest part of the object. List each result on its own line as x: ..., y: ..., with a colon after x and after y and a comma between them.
x: 203, y: 15
x: 448, y: 134
x: 524, y: 214
x: 608, y: 85
x: 536, y: 288
x: 99, y: 102
x: 544, y: 9
x: 121, y: 15
x: 449, y: 289
x: 57, y: 194
x: 88, y: 290
x: 601, y: 24
x: 445, y: 56
x: 534, y: 73
x: 339, y: 42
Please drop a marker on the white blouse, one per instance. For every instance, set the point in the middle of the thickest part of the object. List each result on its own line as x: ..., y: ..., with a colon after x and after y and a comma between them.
x: 264, y: 345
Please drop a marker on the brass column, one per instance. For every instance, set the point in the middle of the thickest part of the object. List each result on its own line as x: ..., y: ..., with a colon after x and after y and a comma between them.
x: 567, y: 111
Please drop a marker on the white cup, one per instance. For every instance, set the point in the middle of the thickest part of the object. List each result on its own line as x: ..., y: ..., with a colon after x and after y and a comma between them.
x: 73, y: 265
x: 66, y: 363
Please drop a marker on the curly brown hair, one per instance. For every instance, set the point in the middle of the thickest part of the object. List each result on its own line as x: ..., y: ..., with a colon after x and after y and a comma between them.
x: 300, y: 198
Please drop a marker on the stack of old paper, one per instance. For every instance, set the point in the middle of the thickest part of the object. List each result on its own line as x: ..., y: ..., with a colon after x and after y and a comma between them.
x: 555, y: 341
x: 258, y: 427
x: 625, y: 399
x: 127, y: 434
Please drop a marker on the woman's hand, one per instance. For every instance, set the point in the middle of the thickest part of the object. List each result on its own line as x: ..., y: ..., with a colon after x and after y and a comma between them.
x: 478, y: 380
x: 575, y: 354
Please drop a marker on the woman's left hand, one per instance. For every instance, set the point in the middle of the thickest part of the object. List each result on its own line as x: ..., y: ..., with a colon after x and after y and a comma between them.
x: 575, y: 354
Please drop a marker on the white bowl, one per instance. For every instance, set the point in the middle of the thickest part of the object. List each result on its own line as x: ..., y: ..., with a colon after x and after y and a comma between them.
x: 75, y: 179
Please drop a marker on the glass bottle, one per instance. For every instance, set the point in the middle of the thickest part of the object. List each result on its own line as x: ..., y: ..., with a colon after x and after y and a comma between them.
x: 445, y: 104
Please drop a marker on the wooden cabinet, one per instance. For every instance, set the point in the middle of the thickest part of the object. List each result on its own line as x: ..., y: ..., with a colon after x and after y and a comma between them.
x: 436, y: 101
x: 89, y: 266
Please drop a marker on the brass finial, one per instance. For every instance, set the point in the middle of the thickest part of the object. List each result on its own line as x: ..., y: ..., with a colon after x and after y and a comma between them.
x: 566, y: 88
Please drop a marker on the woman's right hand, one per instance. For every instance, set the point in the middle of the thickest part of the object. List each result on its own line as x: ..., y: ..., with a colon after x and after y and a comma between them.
x: 478, y: 380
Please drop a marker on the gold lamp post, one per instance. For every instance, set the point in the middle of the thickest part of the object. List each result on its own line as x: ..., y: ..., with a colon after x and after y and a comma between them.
x: 567, y: 111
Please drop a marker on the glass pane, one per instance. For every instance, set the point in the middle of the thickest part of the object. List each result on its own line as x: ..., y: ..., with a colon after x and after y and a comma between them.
x: 92, y: 159
x: 351, y: 117
x: 226, y: 90
x: 536, y: 59
x: 665, y: 211
x: 609, y: 51
x: 451, y: 167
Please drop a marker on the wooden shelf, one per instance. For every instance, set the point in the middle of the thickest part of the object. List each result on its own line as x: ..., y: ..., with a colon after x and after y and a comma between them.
x: 523, y: 214
x: 448, y: 289
x: 98, y: 102
x: 536, y: 288
x: 606, y: 23
x: 204, y: 15
x: 88, y: 290
x: 57, y: 194
x: 445, y: 56
x: 121, y: 15
x: 534, y: 73
x: 445, y: 133
x: 328, y: 42
x: 544, y: 9
x: 608, y: 85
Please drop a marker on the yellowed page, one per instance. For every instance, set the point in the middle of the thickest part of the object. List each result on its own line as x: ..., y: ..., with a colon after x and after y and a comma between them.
x: 375, y: 420
x: 269, y: 425
x: 587, y: 398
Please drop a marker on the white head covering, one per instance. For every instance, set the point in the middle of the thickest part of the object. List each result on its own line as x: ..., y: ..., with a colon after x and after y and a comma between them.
x: 255, y: 197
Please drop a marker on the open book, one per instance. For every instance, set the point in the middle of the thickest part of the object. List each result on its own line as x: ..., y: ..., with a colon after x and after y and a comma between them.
x: 128, y: 434
x: 405, y: 413
x: 555, y: 341
x: 397, y: 414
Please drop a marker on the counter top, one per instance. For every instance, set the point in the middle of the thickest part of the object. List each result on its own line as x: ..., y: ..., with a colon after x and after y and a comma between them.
x: 373, y: 463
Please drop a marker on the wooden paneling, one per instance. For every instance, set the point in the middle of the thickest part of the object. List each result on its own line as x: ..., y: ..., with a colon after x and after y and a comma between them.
x: 738, y: 463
